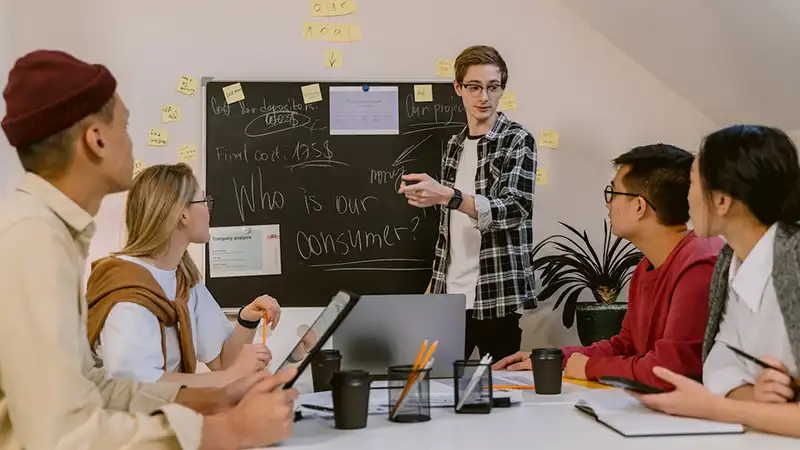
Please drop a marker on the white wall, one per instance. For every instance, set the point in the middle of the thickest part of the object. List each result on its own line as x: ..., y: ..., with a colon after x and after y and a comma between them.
x: 566, y: 76
x: 9, y: 164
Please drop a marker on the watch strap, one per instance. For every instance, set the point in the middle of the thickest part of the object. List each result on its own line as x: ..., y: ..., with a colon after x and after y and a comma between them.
x: 246, y: 323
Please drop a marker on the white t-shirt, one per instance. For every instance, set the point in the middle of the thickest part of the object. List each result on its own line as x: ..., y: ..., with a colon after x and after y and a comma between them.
x: 130, y: 341
x: 465, y: 239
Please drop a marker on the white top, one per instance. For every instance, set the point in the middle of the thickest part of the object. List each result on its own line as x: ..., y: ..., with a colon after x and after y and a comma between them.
x: 130, y: 341
x: 752, y: 322
x: 465, y: 239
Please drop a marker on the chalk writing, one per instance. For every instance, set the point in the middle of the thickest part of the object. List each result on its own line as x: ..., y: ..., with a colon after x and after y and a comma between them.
x: 369, y: 265
x: 438, y: 115
x: 218, y: 109
x: 311, y: 202
x: 225, y: 155
x: 269, y: 199
x: 354, y: 206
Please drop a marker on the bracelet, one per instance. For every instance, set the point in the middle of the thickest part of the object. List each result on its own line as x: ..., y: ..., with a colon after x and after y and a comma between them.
x: 246, y: 323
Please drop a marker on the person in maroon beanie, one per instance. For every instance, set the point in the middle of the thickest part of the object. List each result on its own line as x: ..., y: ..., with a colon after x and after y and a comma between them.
x: 668, y: 296
x: 69, y: 128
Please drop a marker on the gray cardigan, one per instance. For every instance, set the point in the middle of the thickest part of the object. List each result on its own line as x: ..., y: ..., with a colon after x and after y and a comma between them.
x: 785, y: 277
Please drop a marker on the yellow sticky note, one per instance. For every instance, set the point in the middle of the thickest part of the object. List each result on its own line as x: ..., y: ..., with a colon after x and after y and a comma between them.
x: 159, y: 137
x: 333, y: 58
x: 445, y: 68
x: 541, y: 177
x: 187, y: 85
x: 508, y: 101
x: 170, y: 113
x: 322, y: 31
x: 187, y: 153
x: 549, y: 139
x: 233, y: 93
x: 330, y: 8
x: 311, y: 93
x: 138, y: 166
x: 423, y: 93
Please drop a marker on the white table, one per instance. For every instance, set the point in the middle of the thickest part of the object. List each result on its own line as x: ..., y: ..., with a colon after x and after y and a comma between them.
x: 522, y: 426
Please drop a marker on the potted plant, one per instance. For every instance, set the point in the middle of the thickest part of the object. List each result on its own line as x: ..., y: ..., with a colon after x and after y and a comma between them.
x: 577, y: 266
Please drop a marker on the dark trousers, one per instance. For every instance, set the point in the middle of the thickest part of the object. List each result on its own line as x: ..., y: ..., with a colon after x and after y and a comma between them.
x: 499, y: 337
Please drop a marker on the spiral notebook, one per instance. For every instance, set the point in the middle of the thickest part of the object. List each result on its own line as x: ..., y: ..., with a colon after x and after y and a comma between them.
x: 625, y: 415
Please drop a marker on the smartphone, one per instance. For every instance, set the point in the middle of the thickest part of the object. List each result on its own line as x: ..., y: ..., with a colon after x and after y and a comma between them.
x: 633, y: 385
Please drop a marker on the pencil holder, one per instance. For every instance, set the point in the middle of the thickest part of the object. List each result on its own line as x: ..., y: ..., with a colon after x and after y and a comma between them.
x: 409, y: 394
x: 472, y: 386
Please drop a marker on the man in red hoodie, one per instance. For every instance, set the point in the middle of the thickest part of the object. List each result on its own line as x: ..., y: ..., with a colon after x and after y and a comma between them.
x: 668, y: 297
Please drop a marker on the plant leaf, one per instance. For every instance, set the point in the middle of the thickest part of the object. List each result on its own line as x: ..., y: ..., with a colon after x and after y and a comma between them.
x: 568, y: 316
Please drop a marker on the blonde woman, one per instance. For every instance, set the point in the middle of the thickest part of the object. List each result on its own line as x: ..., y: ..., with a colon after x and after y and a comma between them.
x: 150, y: 316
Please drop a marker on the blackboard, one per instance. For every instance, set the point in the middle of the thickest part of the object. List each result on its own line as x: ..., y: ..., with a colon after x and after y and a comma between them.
x: 272, y: 159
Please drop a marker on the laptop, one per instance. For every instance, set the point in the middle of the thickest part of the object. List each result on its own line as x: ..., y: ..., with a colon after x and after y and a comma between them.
x: 388, y: 330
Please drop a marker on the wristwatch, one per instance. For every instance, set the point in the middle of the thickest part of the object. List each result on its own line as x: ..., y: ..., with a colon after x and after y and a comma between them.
x: 455, y: 200
x: 246, y: 323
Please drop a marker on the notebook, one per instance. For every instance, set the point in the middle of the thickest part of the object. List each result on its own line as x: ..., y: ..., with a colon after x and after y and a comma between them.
x: 625, y: 415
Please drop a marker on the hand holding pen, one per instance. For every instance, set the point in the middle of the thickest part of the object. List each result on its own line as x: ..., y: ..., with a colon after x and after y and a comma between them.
x: 774, y: 384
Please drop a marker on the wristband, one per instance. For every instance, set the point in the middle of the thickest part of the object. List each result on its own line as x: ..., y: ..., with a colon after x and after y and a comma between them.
x: 246, y: 323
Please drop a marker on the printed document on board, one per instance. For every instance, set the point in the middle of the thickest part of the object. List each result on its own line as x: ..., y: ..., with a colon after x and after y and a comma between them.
x: 245, y: 251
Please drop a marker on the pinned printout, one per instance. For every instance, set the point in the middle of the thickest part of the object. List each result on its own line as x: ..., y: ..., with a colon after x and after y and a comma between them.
x: 159, y: 137
x: 331, y: 8
x: 245, y: 251
x: 446, y: 68
x: 311, y: 93
x: 138, y: 166
x: 332, y: 32
x: 356, y: 110
x: 541, y: 177
x: 170, y: 113
x: 423, y: 93
x: 233, y: 93
x: 187, y: 85
x: 549, y: 139
x: 333, y: 58
x: 508, y: 101
x: 187, y: 153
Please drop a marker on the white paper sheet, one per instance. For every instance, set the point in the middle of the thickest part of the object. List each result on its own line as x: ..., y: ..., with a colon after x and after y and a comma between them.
x: 355, y: 110
x: 245, y: 251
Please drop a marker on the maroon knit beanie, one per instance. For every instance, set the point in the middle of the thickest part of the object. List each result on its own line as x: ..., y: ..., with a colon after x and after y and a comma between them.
x: 49, y: 91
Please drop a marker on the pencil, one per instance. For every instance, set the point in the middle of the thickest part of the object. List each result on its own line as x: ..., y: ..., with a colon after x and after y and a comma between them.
x: 415, y: 369
x: 264, y: 330
x: 510, y: 387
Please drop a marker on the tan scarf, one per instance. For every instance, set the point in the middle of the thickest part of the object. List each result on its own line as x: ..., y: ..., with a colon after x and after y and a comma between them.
x: 115, y: 280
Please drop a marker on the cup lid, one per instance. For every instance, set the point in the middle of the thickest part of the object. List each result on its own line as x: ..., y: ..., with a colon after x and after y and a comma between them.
x: 349, y: 375
x: 546, y: 353
x: 329, y: 354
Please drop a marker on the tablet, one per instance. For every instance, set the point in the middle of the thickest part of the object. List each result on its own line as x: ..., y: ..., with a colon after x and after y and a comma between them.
x: 633, y: 385
x: 318, y: 334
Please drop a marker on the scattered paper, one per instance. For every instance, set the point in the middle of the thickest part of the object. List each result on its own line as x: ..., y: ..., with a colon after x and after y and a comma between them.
x: 187, y: 85
x: 138, y: 166
x: 549, y: 139
x: 170, y: 113
x: 446, y: 68
x: 233, y: 93
x: 187, y: 153
x: 333, y: 58
x: 541, y: 177
x: 311, y: 93
x: 423, y: 93
x: 159, y: 137
x: 364, y: 110
x: 323, y: 31
x: 330, y: 8
x: 508, y: 101
x: 245, y: 251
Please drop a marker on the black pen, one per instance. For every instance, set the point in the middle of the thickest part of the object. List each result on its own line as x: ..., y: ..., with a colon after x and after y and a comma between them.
x: 753, y: 359
x: 318, y: 408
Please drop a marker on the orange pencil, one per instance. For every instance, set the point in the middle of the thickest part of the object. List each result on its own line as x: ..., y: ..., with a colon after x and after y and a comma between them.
x: 510, y: 387
x: 418, y: 365
x: 264, y: 330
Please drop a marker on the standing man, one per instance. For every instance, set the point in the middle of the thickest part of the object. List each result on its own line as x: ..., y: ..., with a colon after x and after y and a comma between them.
x: 70, y: 130
x: 485, y: 194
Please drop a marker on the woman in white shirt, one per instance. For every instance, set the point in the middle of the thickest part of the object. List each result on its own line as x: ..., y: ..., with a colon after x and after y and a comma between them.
x: 746, y: 187
x: 150, y: 315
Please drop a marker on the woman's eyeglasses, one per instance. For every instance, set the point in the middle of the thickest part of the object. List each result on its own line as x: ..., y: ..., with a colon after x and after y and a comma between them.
x: 610, y: 193
x: 209, y: 201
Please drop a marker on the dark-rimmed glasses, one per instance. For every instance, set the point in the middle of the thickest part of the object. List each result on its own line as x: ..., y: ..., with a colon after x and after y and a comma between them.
x: 610, y: 193
x: 209, y: 201
x: 475, y: 89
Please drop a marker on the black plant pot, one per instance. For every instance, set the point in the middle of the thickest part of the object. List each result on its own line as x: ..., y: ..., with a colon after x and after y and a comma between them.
x: 599, y: 321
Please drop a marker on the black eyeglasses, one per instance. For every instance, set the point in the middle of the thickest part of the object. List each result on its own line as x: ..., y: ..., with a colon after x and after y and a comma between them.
x: 209, y: 201
x: 610, y: 193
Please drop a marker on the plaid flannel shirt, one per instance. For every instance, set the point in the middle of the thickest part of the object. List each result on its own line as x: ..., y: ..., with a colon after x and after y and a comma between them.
x: 504, y: 187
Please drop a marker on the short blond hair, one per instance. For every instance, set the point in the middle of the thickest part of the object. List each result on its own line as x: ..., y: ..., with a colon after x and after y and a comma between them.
x: 479, y: 55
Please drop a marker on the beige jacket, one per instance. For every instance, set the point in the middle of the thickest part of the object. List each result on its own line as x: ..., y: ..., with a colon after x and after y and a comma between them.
x: 51, y: 395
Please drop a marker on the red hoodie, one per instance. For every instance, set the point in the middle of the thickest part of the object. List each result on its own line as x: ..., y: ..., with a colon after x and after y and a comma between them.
x: 666, y: 318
